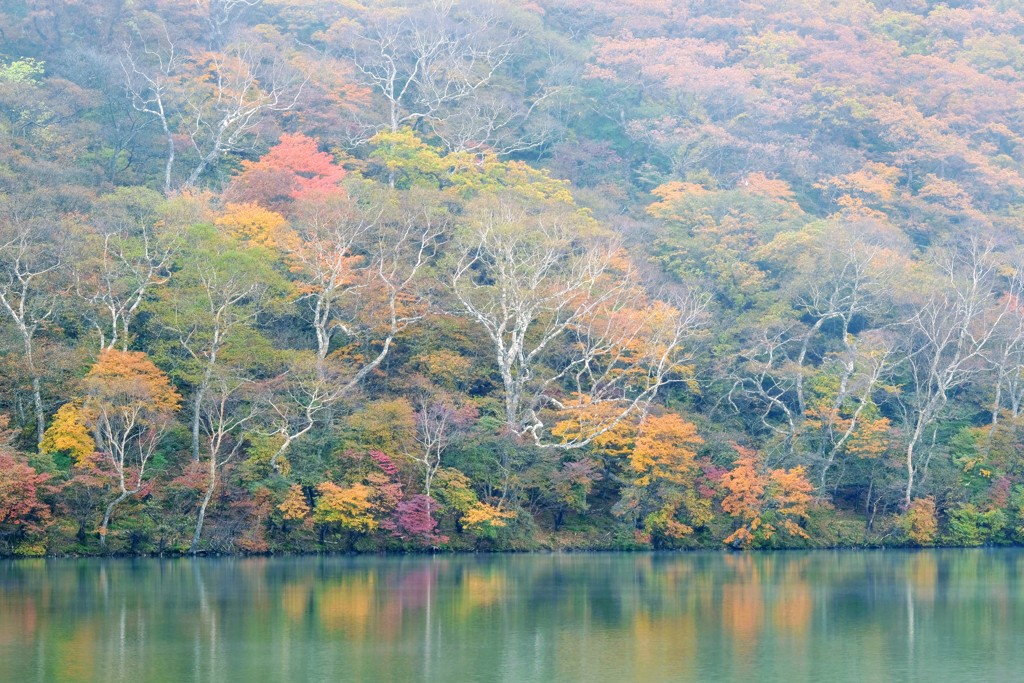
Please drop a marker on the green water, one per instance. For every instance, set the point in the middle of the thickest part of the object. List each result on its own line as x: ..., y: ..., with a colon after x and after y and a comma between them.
x: 935, y: 616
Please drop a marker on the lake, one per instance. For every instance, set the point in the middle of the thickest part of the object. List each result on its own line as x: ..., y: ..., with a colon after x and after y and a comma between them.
x: 936, y: 616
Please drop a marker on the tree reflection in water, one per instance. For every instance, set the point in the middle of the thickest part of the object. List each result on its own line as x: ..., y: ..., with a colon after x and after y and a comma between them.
x: 793, y: 616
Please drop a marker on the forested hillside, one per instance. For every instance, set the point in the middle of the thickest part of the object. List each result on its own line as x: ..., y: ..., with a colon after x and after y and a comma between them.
x: 316, y: 275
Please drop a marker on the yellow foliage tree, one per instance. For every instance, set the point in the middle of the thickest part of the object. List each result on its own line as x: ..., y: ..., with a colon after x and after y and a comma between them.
x: 920, y: 521
x: 483, y: 517
x: 294, y: 506
x: 69, y: 434
x: 409, y: 161
x: 452, y: 489
x: 665, y: 450
x: 258, y: 227
x: 583, y: 418
x: 388, y: 425
x: 664, y: 521
x: 351, y: 507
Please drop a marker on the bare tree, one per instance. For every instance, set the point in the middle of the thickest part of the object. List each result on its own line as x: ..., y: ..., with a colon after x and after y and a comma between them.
x: 421, y: 60
x: 947, y: 336
x: 224, y: 414
x: 561, y: 314
x: 438, y: 422
x: 499, y: 121
x: 862, y: 367
x: 213, y: 296
x: 359, y: 262
x: 1007, y: 355
x: 152, y: 69
x: 220, y: 113
x: 216, y: 100
x: 31, y: 259
x: 763, y: 383
x: 333, y: 234
x: 359, y: 271
x: 296, y: 400
x: 842, y: 282
x: 443, y: 66
x: 219, y: 15
x: 121, y: 261
x: 846, y: 279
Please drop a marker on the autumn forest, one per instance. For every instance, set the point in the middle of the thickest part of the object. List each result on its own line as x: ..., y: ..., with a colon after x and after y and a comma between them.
x: 406, y: 275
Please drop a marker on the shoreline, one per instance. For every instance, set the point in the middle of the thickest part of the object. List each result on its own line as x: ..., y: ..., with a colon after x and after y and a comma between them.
x: 512, y: 552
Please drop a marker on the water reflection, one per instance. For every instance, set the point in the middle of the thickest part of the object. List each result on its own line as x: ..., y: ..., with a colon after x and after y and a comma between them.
x: 936, y: 616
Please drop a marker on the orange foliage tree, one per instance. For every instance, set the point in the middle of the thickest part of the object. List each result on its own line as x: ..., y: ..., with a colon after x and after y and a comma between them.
x: 762, y: 500
x: 294, y: 507
x: 129, y: 403
x: 665, y: 450
x: 292, y: 169
x: 664, y: 488
x: 23, y: 516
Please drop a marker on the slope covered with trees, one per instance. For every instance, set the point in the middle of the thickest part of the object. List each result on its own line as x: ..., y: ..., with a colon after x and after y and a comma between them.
x: 285, y: 275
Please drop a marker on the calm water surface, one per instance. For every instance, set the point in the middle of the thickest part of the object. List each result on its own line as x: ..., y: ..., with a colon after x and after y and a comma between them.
x: 933, y: 616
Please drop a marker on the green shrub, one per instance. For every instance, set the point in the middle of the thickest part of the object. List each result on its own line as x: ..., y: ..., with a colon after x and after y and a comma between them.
x: 968, y: 526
